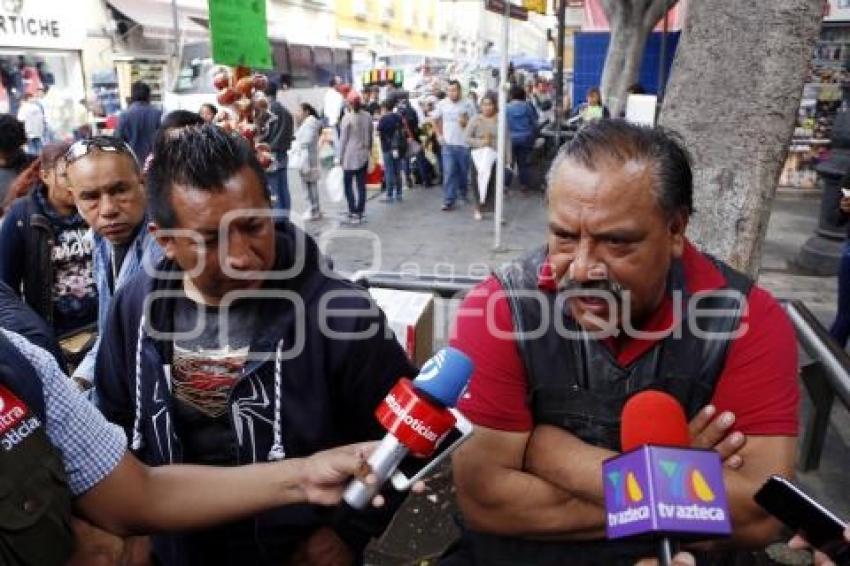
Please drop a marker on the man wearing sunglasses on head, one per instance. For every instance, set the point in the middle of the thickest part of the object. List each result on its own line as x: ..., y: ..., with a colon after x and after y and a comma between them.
x: 106, y: 182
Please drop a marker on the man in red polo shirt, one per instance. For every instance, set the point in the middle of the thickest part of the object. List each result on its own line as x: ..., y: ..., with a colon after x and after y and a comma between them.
x: 618, y: 301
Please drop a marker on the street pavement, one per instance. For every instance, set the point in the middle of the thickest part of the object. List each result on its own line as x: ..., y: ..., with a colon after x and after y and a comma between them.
x: 415, y: 236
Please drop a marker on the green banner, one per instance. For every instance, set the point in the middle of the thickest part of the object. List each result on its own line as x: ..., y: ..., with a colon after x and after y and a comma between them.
x: 239, y: 33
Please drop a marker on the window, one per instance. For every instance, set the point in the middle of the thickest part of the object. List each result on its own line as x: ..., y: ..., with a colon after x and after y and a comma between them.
x: 280, y: 58
x: 196, y: 70
x: 387, y: 11
x: 301, y: 61
x: 361, y: 9
x: 409, y: 15
x: 324, y: 62
x: 342, y: 64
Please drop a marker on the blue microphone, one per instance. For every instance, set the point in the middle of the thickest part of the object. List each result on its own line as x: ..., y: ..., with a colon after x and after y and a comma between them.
x: 445, y: 376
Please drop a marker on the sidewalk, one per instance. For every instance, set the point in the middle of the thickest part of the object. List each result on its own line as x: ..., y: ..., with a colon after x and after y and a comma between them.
x: 416, y: 234
x: 793, y: 220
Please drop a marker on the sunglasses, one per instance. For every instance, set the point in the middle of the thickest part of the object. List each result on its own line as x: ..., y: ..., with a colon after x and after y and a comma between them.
x: 108, y: 144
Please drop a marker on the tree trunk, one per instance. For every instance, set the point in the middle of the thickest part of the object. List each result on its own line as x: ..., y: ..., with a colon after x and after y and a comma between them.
x: 615, y: 59
x: 733, y: 95
x: 631, y: 23
x: 630, y: 70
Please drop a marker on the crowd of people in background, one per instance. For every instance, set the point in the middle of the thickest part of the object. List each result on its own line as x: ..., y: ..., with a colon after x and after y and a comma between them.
x: 380, y: 135
x: 54, y: 232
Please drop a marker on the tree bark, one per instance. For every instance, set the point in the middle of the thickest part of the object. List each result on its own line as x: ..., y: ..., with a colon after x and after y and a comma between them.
x: 631, y: 69
x: 616, y: 55
x: 733, y: 95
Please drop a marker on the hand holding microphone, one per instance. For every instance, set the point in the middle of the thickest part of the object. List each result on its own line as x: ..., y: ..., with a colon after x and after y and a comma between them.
x: 417, y: 418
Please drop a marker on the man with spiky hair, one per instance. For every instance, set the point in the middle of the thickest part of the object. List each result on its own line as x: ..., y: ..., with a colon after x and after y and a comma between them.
x: 243, y: 347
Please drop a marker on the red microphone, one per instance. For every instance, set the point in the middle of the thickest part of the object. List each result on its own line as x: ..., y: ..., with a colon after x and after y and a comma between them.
x: 659, y: 487
x: 416, y: 416
x: 653, y: 417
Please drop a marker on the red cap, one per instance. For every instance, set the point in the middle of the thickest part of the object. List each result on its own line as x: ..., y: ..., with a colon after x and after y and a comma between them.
x: 653, y: 417
x: 353, y: 97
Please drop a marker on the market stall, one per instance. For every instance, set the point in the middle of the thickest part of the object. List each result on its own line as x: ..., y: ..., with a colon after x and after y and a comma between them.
x: 823, y: 95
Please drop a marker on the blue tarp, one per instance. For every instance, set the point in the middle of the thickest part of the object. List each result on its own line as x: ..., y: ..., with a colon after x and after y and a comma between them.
x: 590, y: 50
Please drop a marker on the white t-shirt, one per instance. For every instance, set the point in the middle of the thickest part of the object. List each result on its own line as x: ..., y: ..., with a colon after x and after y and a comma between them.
x: 449, y: 112
x: 32, y: 115
x: 333, y: 106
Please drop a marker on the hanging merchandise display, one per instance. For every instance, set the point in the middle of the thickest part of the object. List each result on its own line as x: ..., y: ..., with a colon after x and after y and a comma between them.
x: 244, y: 108
x: 383, y: 77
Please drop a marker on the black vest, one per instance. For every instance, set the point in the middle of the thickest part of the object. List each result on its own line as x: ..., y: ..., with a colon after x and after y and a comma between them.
x: 38, y: 277
x: 35, y: 502
x: 575, y: 382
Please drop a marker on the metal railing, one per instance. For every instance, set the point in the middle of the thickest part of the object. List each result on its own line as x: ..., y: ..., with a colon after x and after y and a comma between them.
x: 825, y: 377
x: 443, y: 286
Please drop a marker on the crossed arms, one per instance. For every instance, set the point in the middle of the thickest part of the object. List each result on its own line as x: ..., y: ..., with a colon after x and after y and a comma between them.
x: 548, y: 484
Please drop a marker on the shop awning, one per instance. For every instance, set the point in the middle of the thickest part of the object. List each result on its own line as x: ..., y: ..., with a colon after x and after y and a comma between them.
x: 157, y: 19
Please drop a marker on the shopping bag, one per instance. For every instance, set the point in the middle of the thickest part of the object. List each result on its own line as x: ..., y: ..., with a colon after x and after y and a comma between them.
x: 327, y: 155
x: 484, y: 158
x: 296, y: 158
x: 334, y: 184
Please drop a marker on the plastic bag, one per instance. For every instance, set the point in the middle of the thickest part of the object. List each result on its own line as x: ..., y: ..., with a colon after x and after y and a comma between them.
x: 334, y: 184
x: 327, y: 155
x: 296, y: 158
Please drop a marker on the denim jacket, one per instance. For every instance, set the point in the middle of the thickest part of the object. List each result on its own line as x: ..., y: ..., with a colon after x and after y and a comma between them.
x: 144, y: 251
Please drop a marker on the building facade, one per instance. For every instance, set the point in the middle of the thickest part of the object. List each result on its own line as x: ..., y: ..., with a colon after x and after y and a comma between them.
x: 468, y: 31
x: 378, y: 27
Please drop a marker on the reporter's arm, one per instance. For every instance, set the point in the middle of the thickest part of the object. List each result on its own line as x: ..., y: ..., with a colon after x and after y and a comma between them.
x: 136, y: 499
x: 498, y: 497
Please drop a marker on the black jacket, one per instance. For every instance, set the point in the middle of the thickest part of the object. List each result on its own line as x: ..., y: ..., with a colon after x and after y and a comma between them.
x: 27, y: 239
x: 326, y: 395
x: 10, y: 171
x: 280, y: 128
x: 19, y: 318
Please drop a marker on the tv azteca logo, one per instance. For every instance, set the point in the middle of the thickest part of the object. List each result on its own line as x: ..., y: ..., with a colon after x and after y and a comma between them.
x: 628, y: 496
x: 687, y: 498
x: 690, y: 494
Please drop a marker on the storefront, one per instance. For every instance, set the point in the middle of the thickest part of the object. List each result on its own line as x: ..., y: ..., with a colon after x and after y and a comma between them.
x: 40, y: 42
x: 823, y: 96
